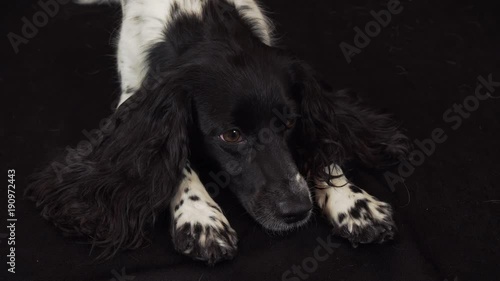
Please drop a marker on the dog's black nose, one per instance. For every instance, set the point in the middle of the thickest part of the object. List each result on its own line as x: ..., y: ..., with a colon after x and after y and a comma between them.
x: 294, y: 210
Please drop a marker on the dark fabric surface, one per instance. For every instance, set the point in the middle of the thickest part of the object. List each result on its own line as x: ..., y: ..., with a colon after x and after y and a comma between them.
x: 428, y: 58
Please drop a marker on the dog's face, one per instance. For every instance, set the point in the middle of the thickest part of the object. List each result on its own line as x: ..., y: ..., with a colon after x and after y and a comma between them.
x: 246, y: 114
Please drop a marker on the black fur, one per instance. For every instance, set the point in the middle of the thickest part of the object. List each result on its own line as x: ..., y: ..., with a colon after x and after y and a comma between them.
x: 115, y: 192
x: 337, y: 128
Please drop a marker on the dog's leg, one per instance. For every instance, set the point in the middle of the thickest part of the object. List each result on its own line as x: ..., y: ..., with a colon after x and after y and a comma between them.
x: 199, y: 228
x: 355, y: 214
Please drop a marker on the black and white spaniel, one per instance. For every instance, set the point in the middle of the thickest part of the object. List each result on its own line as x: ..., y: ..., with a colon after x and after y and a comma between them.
x: 202, y: 81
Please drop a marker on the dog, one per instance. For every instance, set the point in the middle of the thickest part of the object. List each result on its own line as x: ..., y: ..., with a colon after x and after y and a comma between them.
x: 204, y: 79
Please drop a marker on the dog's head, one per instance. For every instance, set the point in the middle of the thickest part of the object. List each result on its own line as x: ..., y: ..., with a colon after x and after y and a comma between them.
x: 255, y: 111
x: 246, y: 113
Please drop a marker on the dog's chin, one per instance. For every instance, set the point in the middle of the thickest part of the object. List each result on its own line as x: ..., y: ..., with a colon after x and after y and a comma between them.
x: 277, y: 225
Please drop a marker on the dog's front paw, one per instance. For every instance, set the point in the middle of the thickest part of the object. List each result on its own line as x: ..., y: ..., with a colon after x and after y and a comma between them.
x: 369, y: 220
x: 206, y: 242
x: 358, y: 216
x: 200, y: 230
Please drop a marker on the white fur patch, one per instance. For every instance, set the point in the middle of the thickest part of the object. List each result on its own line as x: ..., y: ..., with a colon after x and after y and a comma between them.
x: 341, y: 200
x: 197, y: 205
x: 298, y: 177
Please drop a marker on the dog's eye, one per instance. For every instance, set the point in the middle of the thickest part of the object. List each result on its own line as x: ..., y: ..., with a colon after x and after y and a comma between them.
x: 290, y: 123
x: 232, y: 136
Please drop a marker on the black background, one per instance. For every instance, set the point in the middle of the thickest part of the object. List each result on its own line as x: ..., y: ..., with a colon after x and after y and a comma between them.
x: 427, y: 59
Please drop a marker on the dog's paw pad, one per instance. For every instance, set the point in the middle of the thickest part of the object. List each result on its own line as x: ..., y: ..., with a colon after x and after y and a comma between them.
x: 211, y: 243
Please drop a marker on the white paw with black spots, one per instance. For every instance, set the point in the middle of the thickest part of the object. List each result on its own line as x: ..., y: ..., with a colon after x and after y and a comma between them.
x: 205, y: 242
x: 355, y: 214
x: 199, y: 228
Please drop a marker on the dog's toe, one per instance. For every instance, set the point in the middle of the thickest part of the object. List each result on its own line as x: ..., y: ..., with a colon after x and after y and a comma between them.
x: 210, y: 243
x: 369, y: 232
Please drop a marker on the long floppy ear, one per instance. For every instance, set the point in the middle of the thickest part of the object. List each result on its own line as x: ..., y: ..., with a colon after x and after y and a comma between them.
x: 335, y: 127
x: 113, y: 193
